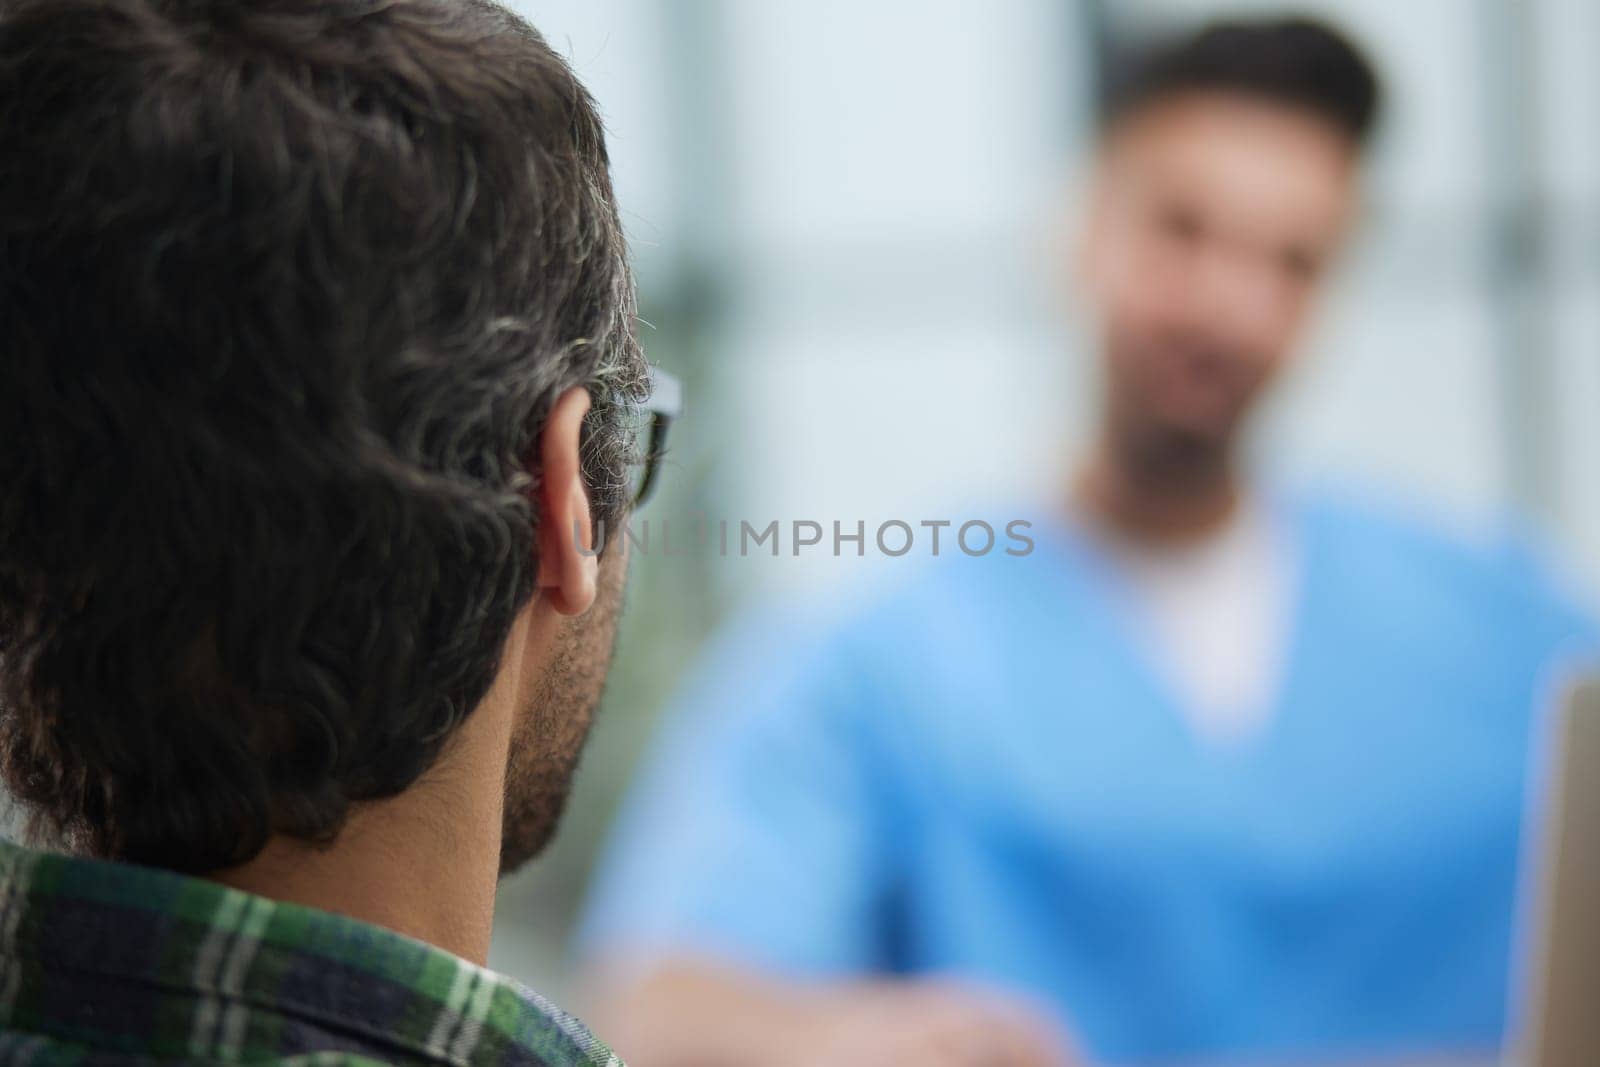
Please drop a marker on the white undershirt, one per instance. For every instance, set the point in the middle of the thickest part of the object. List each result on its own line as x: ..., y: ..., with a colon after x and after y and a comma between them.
x: 1216, y: 617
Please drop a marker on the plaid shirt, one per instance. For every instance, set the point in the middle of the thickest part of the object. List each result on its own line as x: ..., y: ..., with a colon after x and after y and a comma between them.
x: 103, y: 963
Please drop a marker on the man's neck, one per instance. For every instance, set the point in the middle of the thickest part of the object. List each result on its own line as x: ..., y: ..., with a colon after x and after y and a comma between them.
x: 424, y: 863
x: 407, y: 870
x: 1158, y: 508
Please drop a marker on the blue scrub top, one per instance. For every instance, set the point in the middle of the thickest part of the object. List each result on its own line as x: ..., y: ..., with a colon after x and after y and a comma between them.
x: 982, y: 775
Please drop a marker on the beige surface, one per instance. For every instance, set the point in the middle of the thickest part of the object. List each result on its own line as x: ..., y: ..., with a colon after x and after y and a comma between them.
x: 1564, y: 1009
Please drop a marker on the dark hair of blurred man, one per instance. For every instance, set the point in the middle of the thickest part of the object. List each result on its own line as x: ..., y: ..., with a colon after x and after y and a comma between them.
x: 318, y: 368
x: 1221, y: 771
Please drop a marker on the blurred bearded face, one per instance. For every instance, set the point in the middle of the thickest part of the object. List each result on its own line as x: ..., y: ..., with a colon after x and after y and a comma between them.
x: 1213, y: 221
x: 553, y: 726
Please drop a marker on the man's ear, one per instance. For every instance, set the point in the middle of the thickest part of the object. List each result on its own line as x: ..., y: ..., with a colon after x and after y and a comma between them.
x: 568, y: 562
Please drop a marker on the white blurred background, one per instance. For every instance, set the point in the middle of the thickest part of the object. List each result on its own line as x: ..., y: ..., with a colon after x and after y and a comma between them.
x: 849, y: 221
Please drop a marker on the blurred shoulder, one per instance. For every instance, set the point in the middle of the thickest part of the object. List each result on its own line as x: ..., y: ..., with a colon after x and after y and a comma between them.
x: 897, y: 617
x: 1491, y: 558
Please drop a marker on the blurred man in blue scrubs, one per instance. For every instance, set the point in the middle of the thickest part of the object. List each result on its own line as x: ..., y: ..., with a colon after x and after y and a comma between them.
x: 1218, y: 771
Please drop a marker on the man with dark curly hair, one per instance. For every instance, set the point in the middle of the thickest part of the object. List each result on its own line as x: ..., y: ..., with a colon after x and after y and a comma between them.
x: 319, y: 382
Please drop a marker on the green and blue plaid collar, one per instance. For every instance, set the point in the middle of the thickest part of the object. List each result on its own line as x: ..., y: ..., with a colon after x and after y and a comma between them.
x: 108, y: 963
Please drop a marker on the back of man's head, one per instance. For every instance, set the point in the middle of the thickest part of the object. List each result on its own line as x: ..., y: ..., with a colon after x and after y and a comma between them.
x: 287, y: 288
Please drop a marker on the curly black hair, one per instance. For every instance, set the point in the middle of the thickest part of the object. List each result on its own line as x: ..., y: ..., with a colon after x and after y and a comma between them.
x: 287, y: 290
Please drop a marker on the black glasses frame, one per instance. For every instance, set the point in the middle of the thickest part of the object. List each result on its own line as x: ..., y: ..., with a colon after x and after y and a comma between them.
x: 664, y: 404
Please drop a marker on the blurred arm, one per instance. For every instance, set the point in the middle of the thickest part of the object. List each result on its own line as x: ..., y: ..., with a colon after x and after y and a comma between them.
x: 691, y: 1012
